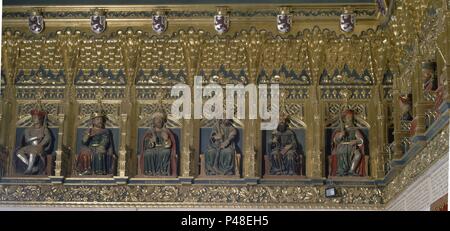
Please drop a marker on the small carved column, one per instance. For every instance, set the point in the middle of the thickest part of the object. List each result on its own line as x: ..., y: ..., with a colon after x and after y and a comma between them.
x: 1, y: 120
x: 188, y: 158
x: 254, y: 42
x: 57, y: 178
x: 444, y: 43
x: 398, y: 135
x: 10, y: 137
x: 10, y: 53
x: 192, y: 42
x: 315, y: 159
x: 372, y: 114
x: 381, y: 131
x: 419, y: 102
x: 4, y: 105
x: 121, y: 177
x: 251, y: 161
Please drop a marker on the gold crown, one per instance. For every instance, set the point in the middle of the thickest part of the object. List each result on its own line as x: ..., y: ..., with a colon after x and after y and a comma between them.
x: 284, y: 117
x: 99, y: 112
x: 160, y: 112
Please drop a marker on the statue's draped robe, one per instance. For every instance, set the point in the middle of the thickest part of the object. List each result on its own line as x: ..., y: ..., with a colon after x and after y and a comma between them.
x: 221, y: 161
x: 343, y: 153
x: 158, y: 160
x: 288, y: 163
x: 98, y: 155
x: 30, y: 138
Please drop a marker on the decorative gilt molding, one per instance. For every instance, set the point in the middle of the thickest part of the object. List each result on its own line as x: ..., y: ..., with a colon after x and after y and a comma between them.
x: 435, y: 150
x: 197, y: 11
x: 195, y: 195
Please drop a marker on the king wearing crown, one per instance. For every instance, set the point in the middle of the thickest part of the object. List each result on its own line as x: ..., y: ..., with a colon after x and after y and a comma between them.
x: 97, y: 156
x: 35, y: 144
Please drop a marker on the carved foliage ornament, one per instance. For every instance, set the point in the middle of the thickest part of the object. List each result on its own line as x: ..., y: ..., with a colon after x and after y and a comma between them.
x: 41, y: 76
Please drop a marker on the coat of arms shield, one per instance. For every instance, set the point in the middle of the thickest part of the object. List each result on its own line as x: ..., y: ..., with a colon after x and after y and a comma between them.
x: 159, y: 23
x: 36, y: 23
x: 221, y: 23
x: 284, y: 23
x: 98, y: 23
x: 347, y: 22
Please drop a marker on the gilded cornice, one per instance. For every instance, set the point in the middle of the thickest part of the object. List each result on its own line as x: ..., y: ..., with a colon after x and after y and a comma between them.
x: 194, y: 11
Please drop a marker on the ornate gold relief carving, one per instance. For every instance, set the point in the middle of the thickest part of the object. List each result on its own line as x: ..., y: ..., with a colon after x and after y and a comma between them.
x: 195, y: 195
x: 364, y: 69
x: 435, y: 149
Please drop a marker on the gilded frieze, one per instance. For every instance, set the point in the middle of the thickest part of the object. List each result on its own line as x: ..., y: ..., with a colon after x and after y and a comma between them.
x: 186, y: 196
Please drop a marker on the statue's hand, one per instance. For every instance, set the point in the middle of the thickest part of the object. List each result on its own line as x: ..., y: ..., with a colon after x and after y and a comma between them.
x: 284, y: 151
x: 224, y: 145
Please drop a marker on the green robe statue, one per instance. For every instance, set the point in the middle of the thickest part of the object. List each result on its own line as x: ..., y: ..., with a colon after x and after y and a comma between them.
x: 158, y: 149
x: 220, y: 155
x: 284, y: 157
x: 97, y: 156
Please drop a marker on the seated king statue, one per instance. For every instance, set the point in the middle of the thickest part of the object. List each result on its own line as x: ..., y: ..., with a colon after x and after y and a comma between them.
x: 220, y: 155
x: 158, y: 148
x: 97, y: 155
x: 285, y: 158
x: 35, y: 144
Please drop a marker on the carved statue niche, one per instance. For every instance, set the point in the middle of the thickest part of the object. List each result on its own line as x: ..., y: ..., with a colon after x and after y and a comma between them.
x: 441, y: 94
x: 97, y: 154
x: 3, y: 159
x: 348, y: 141
x: 429, y: 77
x: 34, y: 149
x: 221, y: 156
x: 285, y: 154
x: 158, y: 148
x: 405, y: 103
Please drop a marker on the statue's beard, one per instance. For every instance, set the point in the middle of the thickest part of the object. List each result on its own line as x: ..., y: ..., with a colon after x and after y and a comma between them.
x: 37, y: 124
x: 282, y: 127
x: 98, y: 125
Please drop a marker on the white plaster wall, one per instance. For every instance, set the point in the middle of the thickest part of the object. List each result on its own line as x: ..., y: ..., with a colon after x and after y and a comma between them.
x: 425, y: 190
